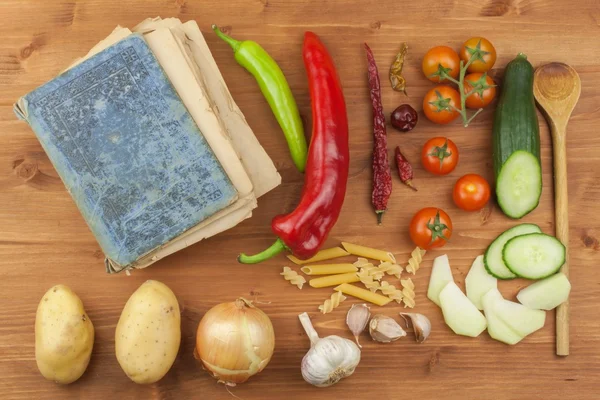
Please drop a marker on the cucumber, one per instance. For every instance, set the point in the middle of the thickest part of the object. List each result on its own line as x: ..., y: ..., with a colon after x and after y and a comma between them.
x: 441, y: 274
x: 516, y: 142
x: 493, y: 256
x: 534, y: 256
x: 522, y: 320
x: 497, y: 329
x: 546, y: 294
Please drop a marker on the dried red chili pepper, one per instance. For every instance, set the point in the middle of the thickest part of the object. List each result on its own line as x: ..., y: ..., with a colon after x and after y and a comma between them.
x: 405, y: 170
x: 382, y: 179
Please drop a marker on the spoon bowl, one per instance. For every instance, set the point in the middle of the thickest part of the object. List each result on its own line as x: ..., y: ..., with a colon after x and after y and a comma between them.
x: 556, y: 87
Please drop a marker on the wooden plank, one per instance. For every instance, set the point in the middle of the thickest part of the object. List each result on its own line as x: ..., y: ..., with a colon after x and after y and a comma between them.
x: 44, y: 241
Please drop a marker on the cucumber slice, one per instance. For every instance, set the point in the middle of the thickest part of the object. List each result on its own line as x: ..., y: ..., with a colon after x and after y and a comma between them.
x: 441, y: 274
x: 523, y: 320
x: 478, y: 282
x: 519, y: 184
x: 459, y: 313
x: 534, y: 256
x: 493, y: 255
x: 546, y: 294
x: 496, y: 327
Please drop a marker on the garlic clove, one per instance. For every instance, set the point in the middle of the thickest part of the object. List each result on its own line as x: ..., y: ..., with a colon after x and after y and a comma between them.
x: 357, y: 319
x: 385, y: 329
x: 421, y: 325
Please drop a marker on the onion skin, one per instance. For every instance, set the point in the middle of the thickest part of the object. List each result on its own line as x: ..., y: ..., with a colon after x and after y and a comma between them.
x: 235, y: 341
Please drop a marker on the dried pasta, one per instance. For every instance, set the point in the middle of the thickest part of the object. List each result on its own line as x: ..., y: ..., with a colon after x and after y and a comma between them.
x: 373, y: 271
x: 368, y: 252
x: 293, y: 277
x: 363, y: 294
x: 329, y: 269
x: 361, y: 262
x: 391, y: 291
x: 414, y: 263
x: 390, y: 268
x: 408, y: 291
x: 322, y: 255
x: 334, y: 280
x: 368, y: 280
x: 332, y: 302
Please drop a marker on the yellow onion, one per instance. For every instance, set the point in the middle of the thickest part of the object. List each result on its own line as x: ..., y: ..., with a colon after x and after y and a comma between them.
x: 235, y: 341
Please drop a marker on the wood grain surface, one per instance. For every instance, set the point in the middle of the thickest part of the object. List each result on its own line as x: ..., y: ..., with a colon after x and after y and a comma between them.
x: 44, y: 240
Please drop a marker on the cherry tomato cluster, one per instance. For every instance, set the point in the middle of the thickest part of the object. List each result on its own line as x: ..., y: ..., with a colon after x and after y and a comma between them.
x: 443, y: 104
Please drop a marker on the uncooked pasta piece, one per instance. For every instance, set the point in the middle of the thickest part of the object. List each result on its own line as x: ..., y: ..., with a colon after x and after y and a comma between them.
x: 292, y: 276
x: 369, y: 252
x: 373, y: 271
x: 363, y: 294
x: 391, y: 291
x: 414, y: 263
x: 368, y: 280
x: 361, y: 262
x: 333, y: 280
x: 332, y: 302
x: 390, y: 268
x: 322, y: 255
x: 408, y: 291
x: 328, y: 269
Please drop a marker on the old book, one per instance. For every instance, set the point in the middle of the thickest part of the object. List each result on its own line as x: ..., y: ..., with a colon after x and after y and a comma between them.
x: 128, y: 151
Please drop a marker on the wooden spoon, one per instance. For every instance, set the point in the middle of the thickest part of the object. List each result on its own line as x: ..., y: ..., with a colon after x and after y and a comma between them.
x: 556, y: 88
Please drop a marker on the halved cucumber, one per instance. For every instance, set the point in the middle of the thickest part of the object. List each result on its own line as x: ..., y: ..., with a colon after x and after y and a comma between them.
x: 534, y: 256
x: 519, y: 184
x: 493, y: 256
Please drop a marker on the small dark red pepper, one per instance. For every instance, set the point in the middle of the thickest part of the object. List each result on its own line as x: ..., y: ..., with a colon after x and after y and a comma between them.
x: 405, y: 170
x: 305, y: 229
x: 382, y: 178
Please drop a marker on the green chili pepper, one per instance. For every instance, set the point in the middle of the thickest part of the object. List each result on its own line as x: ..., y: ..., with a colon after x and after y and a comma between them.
x: 276, y: 90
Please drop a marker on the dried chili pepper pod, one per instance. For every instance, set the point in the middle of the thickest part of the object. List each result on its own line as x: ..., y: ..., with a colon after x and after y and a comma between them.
x: 405, y: 170
x: 382, y: 178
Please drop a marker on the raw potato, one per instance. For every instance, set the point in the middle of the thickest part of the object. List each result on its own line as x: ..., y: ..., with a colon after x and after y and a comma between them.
x: 64, y: 336
x: 148, y: 333
x: 441, y: 274
x: 546, y: 294
x: 496, y: 327
x: 459, y: 313
x: 479, y: 282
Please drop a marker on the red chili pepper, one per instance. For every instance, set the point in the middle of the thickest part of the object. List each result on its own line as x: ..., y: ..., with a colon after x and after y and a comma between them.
x: 382, y: 178
x: 305, y: 229
x: 405, y: 170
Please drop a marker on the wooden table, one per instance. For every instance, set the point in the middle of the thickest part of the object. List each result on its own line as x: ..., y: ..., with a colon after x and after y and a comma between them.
x: 44, y: 240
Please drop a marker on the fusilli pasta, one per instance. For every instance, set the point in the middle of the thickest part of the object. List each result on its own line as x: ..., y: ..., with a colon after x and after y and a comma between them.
x: 414, y: 263
x: 390, y: 269
x: 332, y: 302
x: 391, y: 291
x: 408, y: 292
x: 292, y: 276
x: 368, y: 280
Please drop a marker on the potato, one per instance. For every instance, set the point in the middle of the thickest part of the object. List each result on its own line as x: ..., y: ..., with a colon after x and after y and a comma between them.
x: 148, y: 333
x: 64, y: 336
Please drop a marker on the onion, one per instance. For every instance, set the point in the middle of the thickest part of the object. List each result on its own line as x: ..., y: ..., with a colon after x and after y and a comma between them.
x: 235, y: 341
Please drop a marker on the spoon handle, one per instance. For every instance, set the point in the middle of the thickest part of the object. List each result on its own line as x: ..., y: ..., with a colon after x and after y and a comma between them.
x: 561, y: 213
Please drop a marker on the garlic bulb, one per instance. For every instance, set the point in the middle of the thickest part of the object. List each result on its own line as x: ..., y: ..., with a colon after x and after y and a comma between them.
x: 421, y: 325
x: 385, y: 329
x: 329, y: 359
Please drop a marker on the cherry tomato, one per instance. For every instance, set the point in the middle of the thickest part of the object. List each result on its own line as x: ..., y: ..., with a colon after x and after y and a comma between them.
x: 430, y: 228
x: 484, y: 52
x: 440, y: 104
x: 439, y: 156
x: 471, y: 192
x: 484, y: 95
x: 440, y: 59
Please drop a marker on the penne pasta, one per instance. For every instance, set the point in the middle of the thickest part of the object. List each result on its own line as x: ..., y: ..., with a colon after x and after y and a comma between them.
x: 322, y: 255
x: 368, y: 252
x: 328, y: 269
x: 333, y: 280
x: 363, y: 294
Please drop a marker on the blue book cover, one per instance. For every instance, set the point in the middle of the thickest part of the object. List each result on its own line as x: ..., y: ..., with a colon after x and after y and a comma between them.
x: 128, y: 151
